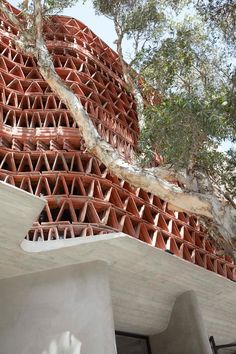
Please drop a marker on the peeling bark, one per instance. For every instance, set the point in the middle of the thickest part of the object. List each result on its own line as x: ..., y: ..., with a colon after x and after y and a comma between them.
x: 154, y: 180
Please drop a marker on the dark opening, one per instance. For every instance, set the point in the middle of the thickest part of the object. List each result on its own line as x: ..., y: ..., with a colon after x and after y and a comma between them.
x: 223, y: 348
x: 128, y: 343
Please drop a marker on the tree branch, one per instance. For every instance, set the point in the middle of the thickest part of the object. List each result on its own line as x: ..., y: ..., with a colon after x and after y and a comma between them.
x: 10, y: 16
x: 38, y: 21
x: 25, y: 40
x: 127, y: 76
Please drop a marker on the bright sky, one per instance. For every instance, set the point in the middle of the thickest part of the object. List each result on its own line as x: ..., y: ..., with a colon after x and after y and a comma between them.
x: 100, y: 25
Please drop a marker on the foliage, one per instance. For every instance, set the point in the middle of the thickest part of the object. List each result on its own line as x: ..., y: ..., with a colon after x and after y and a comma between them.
x: 221, y: 14
x: 50, y: 6
x: 199, y: 102
x: 137, y: 20
x: 134, y: 20
x: 57, y: 6
x: 183, y: 53
x: 185, y: 129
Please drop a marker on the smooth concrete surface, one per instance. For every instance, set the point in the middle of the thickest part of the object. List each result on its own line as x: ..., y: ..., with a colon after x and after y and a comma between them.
x: 186, y: 332
x: 227, y: 351
x: 18, y: 210
x: 145, y: 281
x: 61, y: 311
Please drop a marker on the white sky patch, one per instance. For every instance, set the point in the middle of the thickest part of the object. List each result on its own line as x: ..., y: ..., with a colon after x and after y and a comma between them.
x: 226, y: 145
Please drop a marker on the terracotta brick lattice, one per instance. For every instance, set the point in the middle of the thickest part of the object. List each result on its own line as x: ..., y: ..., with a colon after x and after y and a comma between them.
x: 42, y: 152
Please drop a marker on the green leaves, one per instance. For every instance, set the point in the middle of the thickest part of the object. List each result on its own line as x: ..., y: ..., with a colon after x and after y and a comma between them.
x: 220, y: 15
x: 185, y: 129
x: 135, y: 20
x: 49, y: 6
x: 57, y: 6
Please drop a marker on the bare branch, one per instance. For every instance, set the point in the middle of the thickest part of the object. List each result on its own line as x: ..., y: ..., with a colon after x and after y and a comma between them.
x: 25, y: 39
x: 128, y: 78
x: 11, y: 17
x: 38, y: 22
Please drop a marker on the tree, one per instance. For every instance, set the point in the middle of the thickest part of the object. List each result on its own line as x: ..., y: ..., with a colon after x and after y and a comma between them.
x: 221, y: 14
x: 189, y: 100
x: 191, y: 70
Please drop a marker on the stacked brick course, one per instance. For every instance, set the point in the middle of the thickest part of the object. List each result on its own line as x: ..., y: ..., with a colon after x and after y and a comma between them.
x: 42, y: 152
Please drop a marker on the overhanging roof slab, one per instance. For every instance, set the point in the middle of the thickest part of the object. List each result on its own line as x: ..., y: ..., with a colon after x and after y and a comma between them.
x: 145, y: 281
x: 18, y: 210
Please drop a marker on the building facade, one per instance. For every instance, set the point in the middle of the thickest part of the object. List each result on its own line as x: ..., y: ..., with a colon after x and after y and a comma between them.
x: 95, y: 260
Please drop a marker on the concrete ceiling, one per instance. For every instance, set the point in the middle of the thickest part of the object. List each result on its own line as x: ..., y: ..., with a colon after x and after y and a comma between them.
x: 145, y: 281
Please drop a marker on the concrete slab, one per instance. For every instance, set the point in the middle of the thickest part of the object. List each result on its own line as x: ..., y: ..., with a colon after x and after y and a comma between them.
x: 145, y: 281
x: 18, y: 210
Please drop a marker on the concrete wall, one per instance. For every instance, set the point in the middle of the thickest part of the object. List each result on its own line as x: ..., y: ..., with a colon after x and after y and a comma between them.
x: 186, y: 332
x: 62, y: 311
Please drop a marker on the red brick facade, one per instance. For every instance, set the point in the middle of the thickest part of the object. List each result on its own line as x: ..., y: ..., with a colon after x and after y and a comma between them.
x: 42, y: 152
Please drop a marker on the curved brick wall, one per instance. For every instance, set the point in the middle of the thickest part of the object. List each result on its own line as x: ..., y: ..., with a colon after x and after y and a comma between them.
x: 42, y: 152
